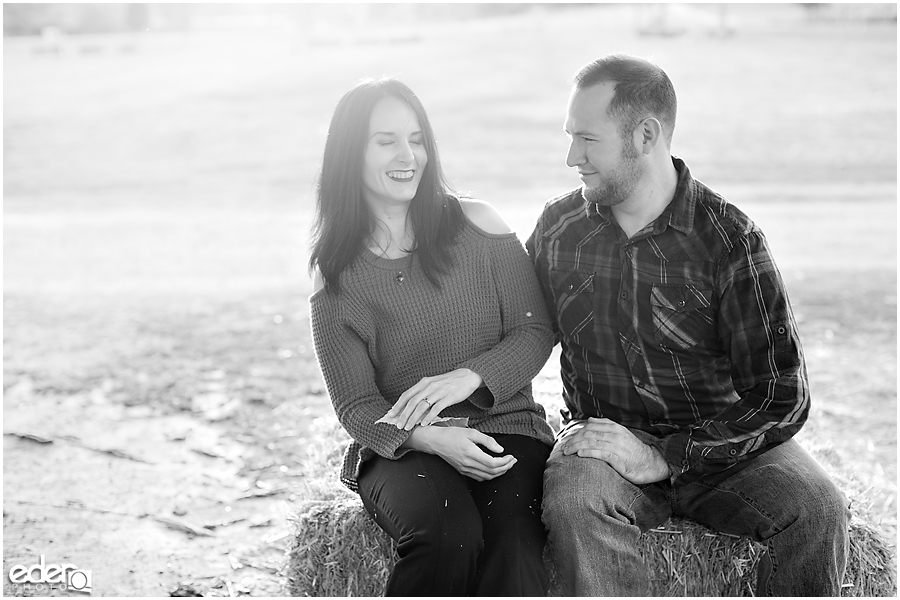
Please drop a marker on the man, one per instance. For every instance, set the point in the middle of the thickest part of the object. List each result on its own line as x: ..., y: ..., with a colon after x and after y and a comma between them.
x: 681, y: 363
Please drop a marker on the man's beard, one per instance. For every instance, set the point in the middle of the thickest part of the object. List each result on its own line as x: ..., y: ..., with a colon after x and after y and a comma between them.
x: 621, y: 183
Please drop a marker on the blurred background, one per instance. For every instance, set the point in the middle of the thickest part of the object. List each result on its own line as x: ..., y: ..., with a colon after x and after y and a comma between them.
x: 159, y: 171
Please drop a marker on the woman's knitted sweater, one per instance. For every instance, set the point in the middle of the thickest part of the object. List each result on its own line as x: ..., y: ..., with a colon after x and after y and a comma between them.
x: 389, y: 327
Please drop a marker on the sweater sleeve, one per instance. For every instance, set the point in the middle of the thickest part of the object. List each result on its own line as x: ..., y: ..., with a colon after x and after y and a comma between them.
x: 350, y: 378
x: 526, y: 339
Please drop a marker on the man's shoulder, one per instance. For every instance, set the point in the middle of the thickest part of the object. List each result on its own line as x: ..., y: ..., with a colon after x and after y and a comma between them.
x: 563, y: 207
x: 565, y: 201
x: 714, y: 213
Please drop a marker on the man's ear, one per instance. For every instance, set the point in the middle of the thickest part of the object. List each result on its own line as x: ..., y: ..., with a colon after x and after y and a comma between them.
x: 651, y: 132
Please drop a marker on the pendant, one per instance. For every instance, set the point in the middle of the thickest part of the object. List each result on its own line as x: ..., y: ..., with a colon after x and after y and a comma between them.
x: 400, y: 277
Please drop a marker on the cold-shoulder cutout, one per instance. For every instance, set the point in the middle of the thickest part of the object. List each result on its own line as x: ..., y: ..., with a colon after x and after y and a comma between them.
x: 318, y: 282
x: 484, y: 216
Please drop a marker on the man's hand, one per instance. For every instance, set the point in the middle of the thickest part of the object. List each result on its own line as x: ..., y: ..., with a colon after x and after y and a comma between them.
x: 461, y: 448
x: 622, y: 450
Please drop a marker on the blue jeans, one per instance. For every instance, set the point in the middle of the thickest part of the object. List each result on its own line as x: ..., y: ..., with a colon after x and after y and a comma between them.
x: 782, y: 499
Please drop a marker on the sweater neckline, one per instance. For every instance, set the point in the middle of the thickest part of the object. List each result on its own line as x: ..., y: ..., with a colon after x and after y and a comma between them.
x: 382, y: 262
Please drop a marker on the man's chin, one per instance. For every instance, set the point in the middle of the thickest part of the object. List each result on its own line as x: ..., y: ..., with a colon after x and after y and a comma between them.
x: 601, y: 196
x: 595, y: 195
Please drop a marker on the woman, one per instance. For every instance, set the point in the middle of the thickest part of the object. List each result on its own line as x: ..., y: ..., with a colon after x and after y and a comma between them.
x: 429, y: 326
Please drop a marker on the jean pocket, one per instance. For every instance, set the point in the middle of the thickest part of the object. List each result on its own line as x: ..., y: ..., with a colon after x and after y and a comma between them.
x: 682, y: 315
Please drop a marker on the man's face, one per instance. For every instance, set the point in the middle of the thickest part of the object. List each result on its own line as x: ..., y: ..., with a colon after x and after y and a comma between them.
x: 609, y: 166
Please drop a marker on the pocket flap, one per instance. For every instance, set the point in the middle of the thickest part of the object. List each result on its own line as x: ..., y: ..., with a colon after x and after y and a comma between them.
x: 572, y: 282
x: 680, y: 298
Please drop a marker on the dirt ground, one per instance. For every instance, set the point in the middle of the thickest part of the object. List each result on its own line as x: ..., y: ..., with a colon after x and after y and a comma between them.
x: 130, y: 521
x: 169, y: 490
x: 129, y: 517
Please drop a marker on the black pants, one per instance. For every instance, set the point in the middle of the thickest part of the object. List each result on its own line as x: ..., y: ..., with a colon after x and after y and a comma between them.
x: 457, y: 536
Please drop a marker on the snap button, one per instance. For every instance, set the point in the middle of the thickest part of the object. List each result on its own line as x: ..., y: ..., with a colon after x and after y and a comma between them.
x: 570, y: 287
x: 681, y: 304
x: 781, y: 330
x: 623, y: 295
x: 732, y: 452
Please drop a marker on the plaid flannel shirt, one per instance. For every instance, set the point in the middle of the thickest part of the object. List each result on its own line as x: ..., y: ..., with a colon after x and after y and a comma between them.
x: 683, y: 333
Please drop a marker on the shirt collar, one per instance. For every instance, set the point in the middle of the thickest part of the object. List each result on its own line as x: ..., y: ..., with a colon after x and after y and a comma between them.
x: 680, y: 211
x: 678, y: 214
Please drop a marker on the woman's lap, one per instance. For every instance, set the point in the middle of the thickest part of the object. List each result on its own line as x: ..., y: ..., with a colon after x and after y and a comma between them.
x: 417, y: 486
x: 440, y: 517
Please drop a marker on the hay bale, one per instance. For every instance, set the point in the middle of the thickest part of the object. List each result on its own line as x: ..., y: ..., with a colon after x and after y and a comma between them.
x: 339, y: 551
x: 688, y: 559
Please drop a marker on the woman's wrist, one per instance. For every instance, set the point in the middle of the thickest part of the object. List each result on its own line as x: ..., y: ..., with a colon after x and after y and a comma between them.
x: 476, y: 379
x: 420, y: 439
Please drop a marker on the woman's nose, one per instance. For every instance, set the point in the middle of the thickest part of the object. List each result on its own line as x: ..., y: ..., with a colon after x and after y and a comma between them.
x: 405, y: 153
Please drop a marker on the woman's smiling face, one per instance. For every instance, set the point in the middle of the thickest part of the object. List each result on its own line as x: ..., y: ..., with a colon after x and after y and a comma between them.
x: 395, y: 153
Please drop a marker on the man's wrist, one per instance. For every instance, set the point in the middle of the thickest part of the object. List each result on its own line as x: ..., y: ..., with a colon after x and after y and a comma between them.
x: 661, y: 465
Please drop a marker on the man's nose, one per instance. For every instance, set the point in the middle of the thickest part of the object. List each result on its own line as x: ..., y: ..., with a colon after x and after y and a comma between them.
x: 575, y: 155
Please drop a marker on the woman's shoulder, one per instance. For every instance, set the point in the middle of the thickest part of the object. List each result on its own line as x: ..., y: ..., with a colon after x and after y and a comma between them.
x: 318, y: 287
x: 484, y: 217
x: 318, y: 282
x: 326, y: 295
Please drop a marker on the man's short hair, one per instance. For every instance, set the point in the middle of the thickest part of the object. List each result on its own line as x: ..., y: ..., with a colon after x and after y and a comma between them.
x: 642, y: 90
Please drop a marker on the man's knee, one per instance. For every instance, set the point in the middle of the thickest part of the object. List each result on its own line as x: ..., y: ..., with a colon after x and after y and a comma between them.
x: 576, y: 487
x: 827, y: 508
x: 817, y: 499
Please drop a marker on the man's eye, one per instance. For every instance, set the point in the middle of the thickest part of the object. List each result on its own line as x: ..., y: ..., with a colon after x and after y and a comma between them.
x: 385, y: 143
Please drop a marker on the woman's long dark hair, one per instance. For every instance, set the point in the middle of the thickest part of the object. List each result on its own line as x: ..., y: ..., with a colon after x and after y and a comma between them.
x: 343, y: 221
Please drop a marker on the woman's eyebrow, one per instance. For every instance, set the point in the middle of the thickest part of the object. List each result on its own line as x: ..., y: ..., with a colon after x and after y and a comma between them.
x: 416, y: 132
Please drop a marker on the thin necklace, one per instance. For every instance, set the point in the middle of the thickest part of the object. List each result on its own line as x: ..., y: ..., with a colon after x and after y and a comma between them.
x: 402, y: 273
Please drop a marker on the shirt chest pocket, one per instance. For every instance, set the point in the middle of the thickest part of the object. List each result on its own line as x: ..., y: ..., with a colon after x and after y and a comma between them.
x: 682, y: 315
x: 574, y: 294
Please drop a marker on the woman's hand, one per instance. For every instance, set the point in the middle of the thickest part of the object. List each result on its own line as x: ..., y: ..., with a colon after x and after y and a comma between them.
x: 461, y: 448
x: 422, y: 403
